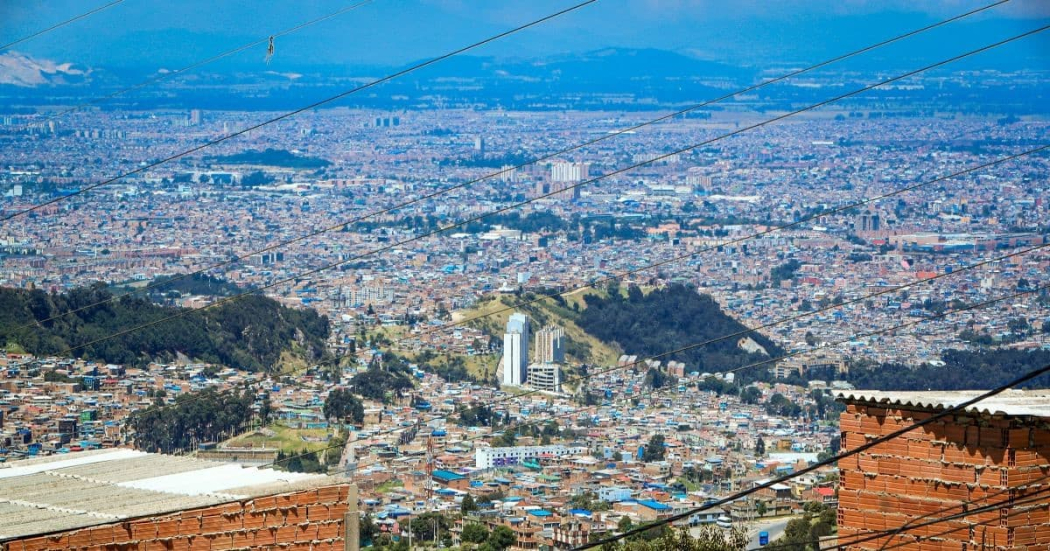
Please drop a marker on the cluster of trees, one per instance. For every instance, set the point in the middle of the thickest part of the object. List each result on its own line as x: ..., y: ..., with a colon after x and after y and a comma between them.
x: 387, y: 377
x: 204, y: 416
x: 708, y: 538
x: 779, y: 405
x: 654, y: 449
x: 250, y: 333
x: 481, y: 539
x: 270, y: 157
x: 649, y: 324
x: 784, y: 272
x: 804, y: 533
x: 302, y: 461
x: 341, y: 405
x: 164, y: 288
x: 962, y: 370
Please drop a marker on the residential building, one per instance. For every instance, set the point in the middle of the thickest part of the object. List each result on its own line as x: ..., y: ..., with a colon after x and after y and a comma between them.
x: 550, y: 345
x: 516, y: 350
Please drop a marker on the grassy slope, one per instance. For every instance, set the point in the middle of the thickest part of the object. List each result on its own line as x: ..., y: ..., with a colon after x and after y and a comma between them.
x: 583, y: 348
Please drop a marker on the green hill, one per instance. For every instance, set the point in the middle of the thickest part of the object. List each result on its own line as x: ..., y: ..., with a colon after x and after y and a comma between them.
x: 580, y: 346
x: 676, y: 316
x: 252, y: 333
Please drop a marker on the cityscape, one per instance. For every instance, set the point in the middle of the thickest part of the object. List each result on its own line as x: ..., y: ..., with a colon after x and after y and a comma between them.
x: 594, y: 295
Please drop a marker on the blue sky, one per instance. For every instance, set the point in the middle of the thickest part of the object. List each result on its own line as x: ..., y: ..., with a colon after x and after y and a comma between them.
x: 154, y: 34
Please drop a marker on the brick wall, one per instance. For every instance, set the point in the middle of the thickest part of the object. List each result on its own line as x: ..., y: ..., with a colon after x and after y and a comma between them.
x: 307, y: 520
x: 976, y: 459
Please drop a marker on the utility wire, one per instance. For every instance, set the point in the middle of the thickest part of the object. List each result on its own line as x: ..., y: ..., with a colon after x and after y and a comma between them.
x: 735, y: 241
x: 644, y: 361
x: 306, y: 273
x: 548, y: 156
x: 855, y: 539
x: 962, y: 407
x: 314, y: 105
x: 59, y: 25
x: 921, y: 320
x: 195, y: 65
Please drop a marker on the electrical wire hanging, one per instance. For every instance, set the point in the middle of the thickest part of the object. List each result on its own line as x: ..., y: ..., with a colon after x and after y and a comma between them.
x: 548, y: 156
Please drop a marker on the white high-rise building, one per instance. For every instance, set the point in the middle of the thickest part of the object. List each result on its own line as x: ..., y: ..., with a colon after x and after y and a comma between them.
x: 562, y: 171
x: 516, y: 350
x: 550, y: 345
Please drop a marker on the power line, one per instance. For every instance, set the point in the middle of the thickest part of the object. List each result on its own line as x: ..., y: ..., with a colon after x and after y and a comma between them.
x: 820, y: 464
x: 227, y: 53
x: 919, y: 321
x: 306, y: 273
x: 60, y: 24
x: 1036, y: 496
x: 314, y: 105
x: 735, y: 241
x: 468, y: 183
x: 643, y: 361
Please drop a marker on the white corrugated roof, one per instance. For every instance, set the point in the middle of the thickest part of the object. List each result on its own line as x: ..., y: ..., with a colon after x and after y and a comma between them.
x: 63, y: 492
x: 1034, y: 403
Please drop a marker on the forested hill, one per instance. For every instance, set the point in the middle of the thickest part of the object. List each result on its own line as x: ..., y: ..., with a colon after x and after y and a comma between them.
x: 962, y: 370
x: 251, y: 333
x: 668, y: 319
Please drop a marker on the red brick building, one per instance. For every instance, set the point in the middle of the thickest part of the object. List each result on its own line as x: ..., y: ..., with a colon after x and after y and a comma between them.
x: 126, y: 500
x: 996, y: 451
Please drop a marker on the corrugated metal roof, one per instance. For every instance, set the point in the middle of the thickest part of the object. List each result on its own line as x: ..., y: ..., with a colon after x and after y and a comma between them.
x: 1035, y: 403
x: 64, y: 492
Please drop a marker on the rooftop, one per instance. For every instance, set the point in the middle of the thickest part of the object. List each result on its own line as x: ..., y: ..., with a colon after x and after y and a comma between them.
x: 65, y: 492
x: 1035, y: 403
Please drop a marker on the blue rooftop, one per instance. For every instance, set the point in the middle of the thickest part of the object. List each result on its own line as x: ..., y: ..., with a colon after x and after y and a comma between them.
x: 654, y: 505
x: 447, y: 476
x: 540, y: 513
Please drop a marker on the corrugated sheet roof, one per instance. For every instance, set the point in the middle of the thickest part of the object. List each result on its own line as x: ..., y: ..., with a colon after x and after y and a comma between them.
x: 64, y: 492
x: 1034, y: 403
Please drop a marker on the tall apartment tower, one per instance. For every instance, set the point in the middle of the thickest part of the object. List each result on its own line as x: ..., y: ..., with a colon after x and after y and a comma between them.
x: 566, y: 172
x: 550, y: 345
x: 516, y: 350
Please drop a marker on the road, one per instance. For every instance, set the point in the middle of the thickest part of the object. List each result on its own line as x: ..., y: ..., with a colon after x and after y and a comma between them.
x: 775, y: 527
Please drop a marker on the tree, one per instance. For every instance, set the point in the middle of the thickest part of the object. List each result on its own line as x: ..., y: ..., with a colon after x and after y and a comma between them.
x: 624, y: 525
x: 761, y: 509
x: 750, y: 395
x: 709, y: 538
x: 468, y: 505
x: 367, y: 530
x: 760, y: 447
x: 654, y: 450
x: 501, y: 538
x: 475, y: 533
x: 423, y: 526
x: 341, y: 404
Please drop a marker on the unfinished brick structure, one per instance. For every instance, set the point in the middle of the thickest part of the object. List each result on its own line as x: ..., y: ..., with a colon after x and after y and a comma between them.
x: 996, y: 453
x: 56, y: 505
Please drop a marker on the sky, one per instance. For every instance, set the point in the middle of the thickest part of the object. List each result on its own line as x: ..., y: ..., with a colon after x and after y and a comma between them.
x: 155, y: 34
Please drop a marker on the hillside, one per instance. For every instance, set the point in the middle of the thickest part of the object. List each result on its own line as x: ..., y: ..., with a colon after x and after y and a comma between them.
x: 668, y: 319
x: 252, y: 333
x: 580, y: 347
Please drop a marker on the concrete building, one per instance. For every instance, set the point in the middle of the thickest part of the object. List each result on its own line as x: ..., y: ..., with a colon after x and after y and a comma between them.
x: 562, y: 171
x: 798, y: 365
x: 516, y: 350
x: 126, y: 499
x: 996, y: 453
x: 485, y: 458
x: 544, y: 376
x: 550, y: 345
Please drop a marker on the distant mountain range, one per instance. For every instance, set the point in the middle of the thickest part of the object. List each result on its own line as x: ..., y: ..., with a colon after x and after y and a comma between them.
x: 609, y: 78
x: 18, y: 69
